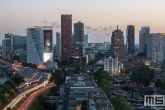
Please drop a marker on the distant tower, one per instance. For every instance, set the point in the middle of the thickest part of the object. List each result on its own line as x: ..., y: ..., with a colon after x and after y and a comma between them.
x: 117, y: 44
x: 79, y: 32
x: 58, y: 44
x: 143, y: 33
x: 66, y: 34
x: 130, y: 39
x: 86, y: 40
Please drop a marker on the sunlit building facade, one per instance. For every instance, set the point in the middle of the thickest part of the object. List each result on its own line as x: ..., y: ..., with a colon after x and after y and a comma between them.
x: 117, y: 44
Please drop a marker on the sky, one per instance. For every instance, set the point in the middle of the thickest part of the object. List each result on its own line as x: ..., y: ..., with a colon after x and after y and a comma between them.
x: 100, y: 17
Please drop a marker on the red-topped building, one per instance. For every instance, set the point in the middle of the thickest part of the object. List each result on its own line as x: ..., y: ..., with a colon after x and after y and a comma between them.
x: 66, y: 34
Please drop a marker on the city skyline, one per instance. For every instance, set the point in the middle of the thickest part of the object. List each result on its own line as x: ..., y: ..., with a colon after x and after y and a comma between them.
x: 99, y: 18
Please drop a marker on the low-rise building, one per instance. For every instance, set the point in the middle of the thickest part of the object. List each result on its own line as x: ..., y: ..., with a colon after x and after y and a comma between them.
x: 77, y: 89
x: 97, y: 100
x: 133, y: 65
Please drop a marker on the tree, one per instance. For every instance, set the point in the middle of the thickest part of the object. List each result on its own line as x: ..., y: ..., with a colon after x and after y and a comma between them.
x: 146, y: 81
x: 84, y: 105
x: 3, y: 98
x: 120, y: 103
x: 158, y: 83
x: 58, y: 77
x: 54, y: 89
x: 18, y: 79
x: 10, y: 83
x: 79, y: 68
x: 43, y: 104
x: 16, y: 57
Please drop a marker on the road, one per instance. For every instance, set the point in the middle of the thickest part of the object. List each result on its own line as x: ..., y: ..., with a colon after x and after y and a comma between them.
x: 27, y: 102
x: 19, y: 97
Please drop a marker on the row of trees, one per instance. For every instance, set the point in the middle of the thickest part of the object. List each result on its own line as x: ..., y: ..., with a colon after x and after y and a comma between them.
x: 102, y: 78
x: 120, y: 103
x: 59, y: 75
x: 30, y: 65
x: 43, y: 104
x: 143, y: 75
x: 8, y: 89
x: 7, y: 92
x: 98, y: 56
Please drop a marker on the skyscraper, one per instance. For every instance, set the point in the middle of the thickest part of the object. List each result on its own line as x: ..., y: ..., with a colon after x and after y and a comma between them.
x: 156, y: 46
x: 35, y: 45
x: 86, y: 40
x: 143, y: 33
x: 9, y: 43
x: 79, y: 32
x: 58, y: 44
x: 117, y: 43
x: 4, y: 48
x: 66, y: 34
x: 130, y: 39
x: 39, y: 44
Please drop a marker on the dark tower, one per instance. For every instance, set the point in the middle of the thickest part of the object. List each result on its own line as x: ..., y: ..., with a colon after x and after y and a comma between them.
x: 66, y: 34
x: 130, y: 40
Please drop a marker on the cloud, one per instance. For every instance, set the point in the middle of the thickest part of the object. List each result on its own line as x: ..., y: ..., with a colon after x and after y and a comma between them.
x: 94, y: 34
x: 8, y: 15
x: 108, y: 34
x: 45, y: 22
x: 95, y: 29
x: 110, y: 28
x: 89, y: 32
x: 55, y: 25
x: 88, y: 28
x: 105, y: 28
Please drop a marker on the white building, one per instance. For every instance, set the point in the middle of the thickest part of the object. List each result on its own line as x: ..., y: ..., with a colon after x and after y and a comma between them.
x: 39, y: 44
x: 156, y: 47
x: 58, y: 44
x: 86, y: 40
x: 111, y: 65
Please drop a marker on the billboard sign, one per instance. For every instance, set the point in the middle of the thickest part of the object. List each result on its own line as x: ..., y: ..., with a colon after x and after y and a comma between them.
x: 154, y: 100
x: 48, y: 41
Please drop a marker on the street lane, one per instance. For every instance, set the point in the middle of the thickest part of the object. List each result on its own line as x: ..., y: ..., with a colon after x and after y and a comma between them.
x: 19, y: 97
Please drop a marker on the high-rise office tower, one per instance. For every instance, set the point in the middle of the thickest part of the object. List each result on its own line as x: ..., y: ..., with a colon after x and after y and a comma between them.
x: 9, y: 43
x: 86, y: 40
x: 156, y: 46
x: 4, y: 48
x: 58, y: 44
x: 19, y: 42
x: 117, y: 43
x: 39, y: 44
x: 79, y: 32
x: 106, y: 46
x: 66, y: 34
x: 130, y: 39
x: 143, y: 33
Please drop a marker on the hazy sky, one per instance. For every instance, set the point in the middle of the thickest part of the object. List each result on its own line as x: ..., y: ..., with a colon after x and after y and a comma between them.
x: 99, y: 16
